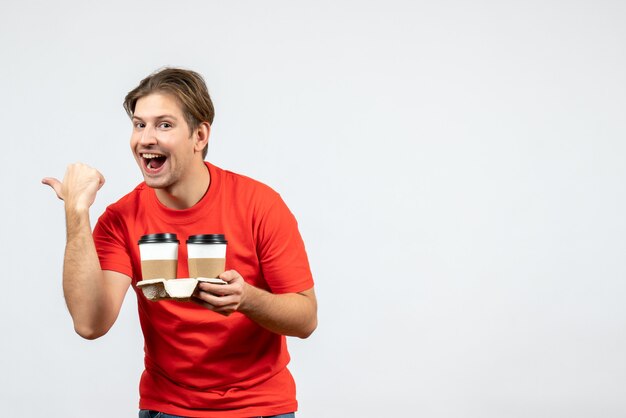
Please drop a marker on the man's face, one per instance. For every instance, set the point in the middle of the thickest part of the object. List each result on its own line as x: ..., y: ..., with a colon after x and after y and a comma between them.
x: 161, y: 140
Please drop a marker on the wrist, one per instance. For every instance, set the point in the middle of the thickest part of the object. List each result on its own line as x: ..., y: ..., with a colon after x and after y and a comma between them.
x: 76, y: 220
x: 249, y: 297
x: 76, y: 209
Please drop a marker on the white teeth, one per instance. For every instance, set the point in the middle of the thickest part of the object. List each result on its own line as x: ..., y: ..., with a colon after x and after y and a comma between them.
x: 151, y: 155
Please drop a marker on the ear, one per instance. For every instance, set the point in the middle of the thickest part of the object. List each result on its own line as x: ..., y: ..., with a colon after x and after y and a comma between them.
x: 202, y: 133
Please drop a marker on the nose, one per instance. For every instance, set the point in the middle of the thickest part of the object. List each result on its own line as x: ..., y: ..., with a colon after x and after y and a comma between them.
x: 148, y: 136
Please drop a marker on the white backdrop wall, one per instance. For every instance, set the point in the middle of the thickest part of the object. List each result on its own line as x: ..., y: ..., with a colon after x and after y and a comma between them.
x: 457, y: 170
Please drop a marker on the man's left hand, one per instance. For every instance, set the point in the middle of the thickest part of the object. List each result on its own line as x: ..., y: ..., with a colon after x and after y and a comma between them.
x: 222, y: 298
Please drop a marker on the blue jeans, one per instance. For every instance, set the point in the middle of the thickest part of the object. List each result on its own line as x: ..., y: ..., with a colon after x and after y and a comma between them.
x: 154, y: 414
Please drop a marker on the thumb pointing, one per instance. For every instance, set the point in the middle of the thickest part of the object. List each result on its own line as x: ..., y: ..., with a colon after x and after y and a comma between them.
x: 54, y: 184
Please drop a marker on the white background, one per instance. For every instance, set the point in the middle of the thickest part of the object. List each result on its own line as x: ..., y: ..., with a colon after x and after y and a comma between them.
x: 457, y: 170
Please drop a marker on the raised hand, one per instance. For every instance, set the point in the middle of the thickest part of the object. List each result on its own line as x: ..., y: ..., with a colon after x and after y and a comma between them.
x: 79, y: 187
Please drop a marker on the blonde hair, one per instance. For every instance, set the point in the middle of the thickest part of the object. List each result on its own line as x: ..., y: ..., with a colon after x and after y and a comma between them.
x: 187, y: 86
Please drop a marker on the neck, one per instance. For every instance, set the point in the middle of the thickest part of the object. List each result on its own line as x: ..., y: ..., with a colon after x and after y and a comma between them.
x: 185, y: 194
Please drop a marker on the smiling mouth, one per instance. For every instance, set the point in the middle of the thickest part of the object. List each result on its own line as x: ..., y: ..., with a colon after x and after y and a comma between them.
x: 153, y: 161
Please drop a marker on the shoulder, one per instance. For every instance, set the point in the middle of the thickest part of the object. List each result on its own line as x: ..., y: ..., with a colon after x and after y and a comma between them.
x: 129, y: 202
x: 244, y: 187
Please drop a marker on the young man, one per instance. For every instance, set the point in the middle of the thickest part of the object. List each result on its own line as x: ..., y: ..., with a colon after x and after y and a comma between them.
x: 226, y: 355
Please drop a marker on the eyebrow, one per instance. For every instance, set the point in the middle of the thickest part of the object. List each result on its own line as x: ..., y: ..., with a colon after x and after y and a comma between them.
x: 159, y: 117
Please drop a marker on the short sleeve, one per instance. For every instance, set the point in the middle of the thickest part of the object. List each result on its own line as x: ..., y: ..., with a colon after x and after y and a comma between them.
x: 110, y: 239
x: 282, y: 255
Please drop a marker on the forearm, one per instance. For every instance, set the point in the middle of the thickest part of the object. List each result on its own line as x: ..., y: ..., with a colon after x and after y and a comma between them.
x: 83, y: 278
x: 293, y: 314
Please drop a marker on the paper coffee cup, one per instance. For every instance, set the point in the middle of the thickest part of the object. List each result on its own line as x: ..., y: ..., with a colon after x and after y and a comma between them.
x: 159, y: 256
x: 206, y: 255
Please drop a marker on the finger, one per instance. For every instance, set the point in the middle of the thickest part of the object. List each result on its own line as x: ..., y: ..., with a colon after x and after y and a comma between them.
x: 229, y: 276
x: 100, y: 180
x: 216, y: 289
x: 225, y: 304
x: 225, y: 310
x: 207, y: 298
x: 55, y: 184
x: 219, y: 301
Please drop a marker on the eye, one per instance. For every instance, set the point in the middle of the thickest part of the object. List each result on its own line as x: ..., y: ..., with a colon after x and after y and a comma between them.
x: 165, y: 125
x: 139, y: 125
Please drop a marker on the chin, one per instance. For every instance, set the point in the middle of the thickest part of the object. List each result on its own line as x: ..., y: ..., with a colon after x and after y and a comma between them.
x: 155, y: 183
